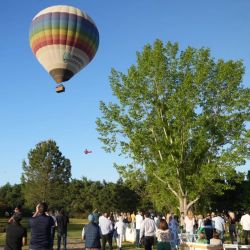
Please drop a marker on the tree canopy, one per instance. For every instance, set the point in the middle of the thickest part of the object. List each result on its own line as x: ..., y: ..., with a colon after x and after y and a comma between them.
x: 181, y: 117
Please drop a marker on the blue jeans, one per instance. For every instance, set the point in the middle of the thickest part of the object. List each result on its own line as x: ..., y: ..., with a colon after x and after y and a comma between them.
x: 137, y: 239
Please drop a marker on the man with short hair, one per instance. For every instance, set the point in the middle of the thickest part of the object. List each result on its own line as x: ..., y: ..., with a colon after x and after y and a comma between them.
x: 106, y: 230
x: 41, y: 225
x: 16, y: 234
x: 147, y: 231
x: 91, y: 233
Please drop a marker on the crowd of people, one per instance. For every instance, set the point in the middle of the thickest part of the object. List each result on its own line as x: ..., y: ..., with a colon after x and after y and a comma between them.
x: 42, y: 224
x: 167, y: 231
x: 145, y: 229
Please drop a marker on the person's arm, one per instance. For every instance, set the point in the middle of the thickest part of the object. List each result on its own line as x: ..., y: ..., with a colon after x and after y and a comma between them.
x: 24, y: 240
x: 142, y: 229
x: 83, y: 233
x: 37, y: 211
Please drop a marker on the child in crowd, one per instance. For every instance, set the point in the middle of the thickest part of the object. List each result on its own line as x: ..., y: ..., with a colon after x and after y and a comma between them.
x: 216, y: 239
x: 202, y: 238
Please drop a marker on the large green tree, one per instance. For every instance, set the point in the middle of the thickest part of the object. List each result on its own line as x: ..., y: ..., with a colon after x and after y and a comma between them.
x: 180, y: 116
x: 46, y: 175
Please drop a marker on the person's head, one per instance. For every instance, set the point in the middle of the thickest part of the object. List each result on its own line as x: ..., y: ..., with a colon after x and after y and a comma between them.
x: 62, y: 212
x: 190, y: 214
x: 51, y: 212
x: 91, y: 218
x: 18, y: 209
x: 213, y: 214
x: 202, y: 235
x: 147, y: 215
x: 216, y: 235
x: 231, y: 215
x: 42, y: 207
x: 163, y: 225
x: 17, y: 217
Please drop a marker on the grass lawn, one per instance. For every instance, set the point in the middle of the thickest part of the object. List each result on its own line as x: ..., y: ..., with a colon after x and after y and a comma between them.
x: 74, y: 234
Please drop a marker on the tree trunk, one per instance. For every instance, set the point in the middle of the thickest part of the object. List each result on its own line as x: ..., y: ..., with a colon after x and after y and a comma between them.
x: 183, y: 204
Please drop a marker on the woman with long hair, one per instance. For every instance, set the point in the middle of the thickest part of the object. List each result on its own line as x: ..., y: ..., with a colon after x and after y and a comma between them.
x: 163, y: 236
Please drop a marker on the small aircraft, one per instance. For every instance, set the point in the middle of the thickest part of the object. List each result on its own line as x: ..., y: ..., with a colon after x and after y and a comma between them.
x: 86, y: 151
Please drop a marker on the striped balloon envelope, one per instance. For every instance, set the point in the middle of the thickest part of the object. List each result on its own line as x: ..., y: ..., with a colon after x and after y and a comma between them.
x: 64, y: 40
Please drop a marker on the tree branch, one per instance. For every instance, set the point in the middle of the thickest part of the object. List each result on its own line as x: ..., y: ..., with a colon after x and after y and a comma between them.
x: 192, y: 202
x: 168, y: 185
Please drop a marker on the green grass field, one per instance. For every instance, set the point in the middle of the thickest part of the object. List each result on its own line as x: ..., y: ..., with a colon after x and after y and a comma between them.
x: 74, y: 234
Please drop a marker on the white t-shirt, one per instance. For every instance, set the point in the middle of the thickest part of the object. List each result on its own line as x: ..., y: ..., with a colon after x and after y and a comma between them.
x: 138, y: 221
x: 219, y: 223
x: 245, y: 222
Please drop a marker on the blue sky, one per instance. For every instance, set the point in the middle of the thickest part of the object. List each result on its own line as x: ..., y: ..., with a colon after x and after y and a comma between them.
x: 31, y: 111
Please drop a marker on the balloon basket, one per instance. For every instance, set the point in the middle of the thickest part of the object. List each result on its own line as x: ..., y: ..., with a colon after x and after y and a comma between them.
x: 60, y: 89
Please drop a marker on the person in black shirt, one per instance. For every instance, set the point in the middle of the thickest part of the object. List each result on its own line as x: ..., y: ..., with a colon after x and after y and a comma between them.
x: 208, y: 227
x: 16, y: 234
x: 62, y: 221
x: 232, y: 227
x: 41, y: 225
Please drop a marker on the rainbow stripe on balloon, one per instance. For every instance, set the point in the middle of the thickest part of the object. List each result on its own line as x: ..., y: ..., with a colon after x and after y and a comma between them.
x: 64, y: 39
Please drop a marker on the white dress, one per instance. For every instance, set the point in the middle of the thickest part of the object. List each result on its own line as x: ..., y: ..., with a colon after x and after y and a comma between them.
x: 189, y: 225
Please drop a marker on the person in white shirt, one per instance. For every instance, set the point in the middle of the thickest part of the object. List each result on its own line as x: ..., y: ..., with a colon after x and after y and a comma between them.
x: 245, y: 222
x: 189, y: 222
x: 120, y: 228
x: 219, y: 226
x: 106, y: 227
x: 147, y: 231
x: 138, y: 221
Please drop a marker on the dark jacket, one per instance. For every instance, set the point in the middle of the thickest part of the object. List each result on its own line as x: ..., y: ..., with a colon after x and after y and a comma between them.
x: 14, y: 235
x: 41, y: 232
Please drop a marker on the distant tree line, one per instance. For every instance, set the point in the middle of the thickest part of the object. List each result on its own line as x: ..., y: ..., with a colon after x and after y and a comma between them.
x: 82, y: 196
x: 85, y: 195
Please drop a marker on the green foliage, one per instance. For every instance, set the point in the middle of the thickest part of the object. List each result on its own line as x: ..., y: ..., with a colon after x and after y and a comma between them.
x: 10, y: 197
x: 87, y: 195
x: 46, y: 175
x: 181, y: 117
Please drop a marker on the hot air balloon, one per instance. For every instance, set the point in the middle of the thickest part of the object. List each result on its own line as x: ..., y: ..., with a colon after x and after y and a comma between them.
x: 64, y: 40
